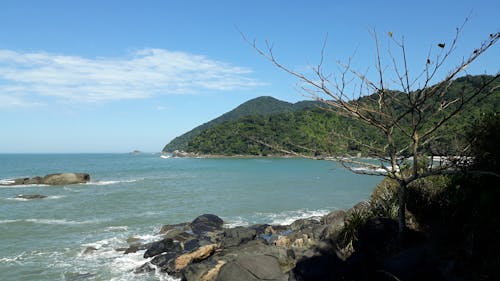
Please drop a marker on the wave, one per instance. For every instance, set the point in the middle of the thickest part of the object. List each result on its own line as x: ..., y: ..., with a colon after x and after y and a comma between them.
x: 282, y: 218
x: 49, y: 221
x: 116, y: 228
x: 111, y: 182
x: 288, y: 217
x: 238, y: 221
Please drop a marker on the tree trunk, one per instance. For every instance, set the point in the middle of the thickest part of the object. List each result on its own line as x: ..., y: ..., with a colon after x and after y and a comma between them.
x: 401, y: 210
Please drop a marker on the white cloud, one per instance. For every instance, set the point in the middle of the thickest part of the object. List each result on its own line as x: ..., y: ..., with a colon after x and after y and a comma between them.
x: 142, y: 74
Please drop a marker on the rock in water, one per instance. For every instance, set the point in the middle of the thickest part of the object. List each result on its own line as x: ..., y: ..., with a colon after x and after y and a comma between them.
x: 165, y: 245
x: 52, y: 179
x: 30, y: 196
x: 65, y: 178
x: 206, y: 223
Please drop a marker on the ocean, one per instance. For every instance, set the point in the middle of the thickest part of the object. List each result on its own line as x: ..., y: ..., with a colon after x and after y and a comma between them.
x: 133, y: 195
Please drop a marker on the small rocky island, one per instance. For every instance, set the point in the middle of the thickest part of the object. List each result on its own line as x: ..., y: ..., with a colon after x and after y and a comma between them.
x: 51, y: 179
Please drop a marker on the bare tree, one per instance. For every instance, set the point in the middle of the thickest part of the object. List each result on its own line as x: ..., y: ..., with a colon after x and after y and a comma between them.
x: 413, y: 113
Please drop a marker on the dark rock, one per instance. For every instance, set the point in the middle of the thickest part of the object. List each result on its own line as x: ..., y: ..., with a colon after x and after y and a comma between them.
x: 165, y: 245
x: 31, y: 196
x: 132, y: 249
x: 237, y: 236
x: 319, y: 268
x: 89, y: 250
x: 252, y: 268
x: 191, y: 245
x: 301, y: 224
x: 196, y: 271
x: 415, y: 263
x: 206, y: 223
x: 261, y: 228
x: 145, y: 268
x: 178, y: 235
x: 163, y: 259
x: 179, y: 227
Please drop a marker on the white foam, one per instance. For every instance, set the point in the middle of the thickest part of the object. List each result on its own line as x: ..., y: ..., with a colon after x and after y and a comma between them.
x: 116, y: 228
x: 239, y: 221
x: 58, y: 221
x: 7, y: 221
x: 23, y: 185
x: 110, y: 182
x: 7, y: 181
x: 288, y: 217
x: 15, y: 259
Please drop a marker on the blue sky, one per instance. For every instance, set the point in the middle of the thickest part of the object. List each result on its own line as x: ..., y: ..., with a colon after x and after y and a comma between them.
x: 115, y: 76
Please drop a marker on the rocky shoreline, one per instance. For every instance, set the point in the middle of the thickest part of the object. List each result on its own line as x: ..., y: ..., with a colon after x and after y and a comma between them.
x: 318, y: 248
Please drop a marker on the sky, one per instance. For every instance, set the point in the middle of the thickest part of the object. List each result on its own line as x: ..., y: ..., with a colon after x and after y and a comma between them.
x: 86, y: 76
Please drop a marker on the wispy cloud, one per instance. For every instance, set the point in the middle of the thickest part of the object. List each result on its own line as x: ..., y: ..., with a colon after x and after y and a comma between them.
x: 27, y: 77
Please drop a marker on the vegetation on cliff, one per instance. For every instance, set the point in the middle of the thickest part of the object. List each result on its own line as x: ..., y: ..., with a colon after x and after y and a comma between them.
x: 308, y: 129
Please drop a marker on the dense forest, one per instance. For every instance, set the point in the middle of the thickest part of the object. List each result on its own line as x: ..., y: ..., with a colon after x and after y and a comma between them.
x: 265, y: 126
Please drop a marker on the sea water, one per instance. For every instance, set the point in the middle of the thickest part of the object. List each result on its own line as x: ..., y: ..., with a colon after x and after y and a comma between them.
x: 133, y: 195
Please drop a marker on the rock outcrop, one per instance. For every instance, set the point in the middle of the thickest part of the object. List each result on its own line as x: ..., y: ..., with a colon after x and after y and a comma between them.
x: 307, y: 249
x: 52, y: 179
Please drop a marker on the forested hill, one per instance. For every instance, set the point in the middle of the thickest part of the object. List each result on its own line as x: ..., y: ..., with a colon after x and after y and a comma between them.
x: 305, y: 128
x: 261, y: 106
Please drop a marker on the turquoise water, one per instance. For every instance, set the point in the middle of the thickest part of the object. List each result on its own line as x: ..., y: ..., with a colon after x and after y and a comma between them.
x: 134, y: 195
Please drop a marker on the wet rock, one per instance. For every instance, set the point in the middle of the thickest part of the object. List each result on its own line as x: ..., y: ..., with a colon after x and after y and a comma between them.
x: 89, y: 250
x: 163, y: 260
x: 30, y: 196
x: 206, y: 223
x: 132, y: 249
x: 145, y: 268
x: 165, y: 245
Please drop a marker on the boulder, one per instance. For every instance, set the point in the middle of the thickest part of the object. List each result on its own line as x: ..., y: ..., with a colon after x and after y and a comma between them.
x: 206, y: 223
x: 202, y: 271
x: 252, y: 268
x: 202, y: 253
x: 301, y: 224
x: 334, y: 217
x: 30, y: 196
x: 65, y: 178
x: 237, y: 236
x: 165, y: 245
x: 334, y: 222
x: 165, y: 262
